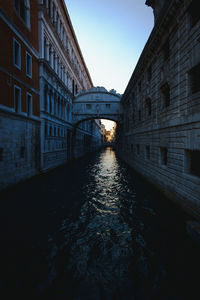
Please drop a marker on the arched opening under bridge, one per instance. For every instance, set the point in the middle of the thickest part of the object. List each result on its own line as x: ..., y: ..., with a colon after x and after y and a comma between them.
x: 93, y: 105
x: 97, y: 103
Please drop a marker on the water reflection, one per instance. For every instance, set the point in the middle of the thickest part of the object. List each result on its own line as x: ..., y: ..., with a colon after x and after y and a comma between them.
x: 120, y: 243
x: 101, y: 240
x: 94, y: 231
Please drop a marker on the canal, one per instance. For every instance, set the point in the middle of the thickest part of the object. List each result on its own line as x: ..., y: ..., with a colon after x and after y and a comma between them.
x: 94, y: 230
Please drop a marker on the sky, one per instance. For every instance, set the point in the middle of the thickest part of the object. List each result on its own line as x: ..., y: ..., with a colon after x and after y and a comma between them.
x: 108, y: 124
x: 111, y: 35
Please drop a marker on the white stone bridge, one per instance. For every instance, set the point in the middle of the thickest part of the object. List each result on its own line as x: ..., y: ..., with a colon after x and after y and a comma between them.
x: 97, y: 103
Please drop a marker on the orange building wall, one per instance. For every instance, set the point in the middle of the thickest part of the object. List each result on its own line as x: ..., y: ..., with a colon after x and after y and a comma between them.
x: 7, y: 6
x: 11, y: 75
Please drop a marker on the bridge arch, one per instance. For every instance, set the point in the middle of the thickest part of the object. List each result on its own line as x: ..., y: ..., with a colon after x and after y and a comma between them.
x: 97, y: 103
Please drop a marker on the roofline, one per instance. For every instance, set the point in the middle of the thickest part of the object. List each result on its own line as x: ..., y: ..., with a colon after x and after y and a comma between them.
x: 96, y: 92
x: 75, y: 39
x: 151, y: 40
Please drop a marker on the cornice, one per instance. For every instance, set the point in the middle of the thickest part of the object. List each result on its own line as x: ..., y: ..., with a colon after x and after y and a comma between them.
x: 162, y: 23
x: 150, y: 3
x: 75, y: 39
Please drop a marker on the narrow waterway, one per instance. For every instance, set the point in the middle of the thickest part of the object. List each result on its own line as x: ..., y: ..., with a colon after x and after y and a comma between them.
x: 94, y: 230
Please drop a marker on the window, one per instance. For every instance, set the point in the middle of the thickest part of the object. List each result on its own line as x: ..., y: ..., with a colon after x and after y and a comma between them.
x: 138, y: 149
x: 195, y: 79
x: 193, y: 162
x: 57, y: 22
x: 17, y: 99
x: 28, y: 65
x: 161, y: 73
x: 60, y: 29
x: 107, y: 105
x: 16, y: 54
x: 133, y: 117
x: 147, y: 151
x: 149, y: 73
x: 29, y: 104
x: 46, y: 130
x: 163, y: 155
x: 132, y: 148
x: 54, y: 61
x: 148, y: 106
x: 1, y: 154
x: 139, y: 86
x: 54, y: 12
x: 73, y: 87
x: 22, y: 7
x: 49, y: 6
x: 49, y: 55
x: 16, y: 3
x: 22, y: 152
x: 165, y: 89
x: 194, y: 13
x: 166, y: 51
x: 51, y: 130
x: 68, y: 111
x: 139, y: 115
x: 88, y: 106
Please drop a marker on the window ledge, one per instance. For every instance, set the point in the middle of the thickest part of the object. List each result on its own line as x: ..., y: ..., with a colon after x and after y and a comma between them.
x: 192, y: 177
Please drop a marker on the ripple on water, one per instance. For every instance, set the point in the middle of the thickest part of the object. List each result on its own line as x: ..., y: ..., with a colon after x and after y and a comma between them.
x: 101, y: 248
x: 107, y: 242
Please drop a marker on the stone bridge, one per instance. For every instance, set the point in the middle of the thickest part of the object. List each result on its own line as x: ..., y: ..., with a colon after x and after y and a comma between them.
x: 97, y: 103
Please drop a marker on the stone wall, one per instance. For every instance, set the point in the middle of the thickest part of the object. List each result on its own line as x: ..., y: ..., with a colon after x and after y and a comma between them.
x: 19, y: 148
x: 86, y: 141
x: 161, y: 135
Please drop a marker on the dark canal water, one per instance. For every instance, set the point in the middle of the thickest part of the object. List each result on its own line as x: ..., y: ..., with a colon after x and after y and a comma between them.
x: 93, y: 230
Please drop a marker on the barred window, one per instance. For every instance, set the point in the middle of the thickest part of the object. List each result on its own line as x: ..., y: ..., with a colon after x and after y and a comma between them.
x: 166, y: 50
x: 1, y: 154
x: 193, y: 162
x: 149, y: 73
x: 163, y: 155
x: 165, y: 89
x: 195, y: 79
x: 138, y: 149
x: 147, y: 151
x: 194, y: 12
x: 139, y: 115
x: 148, y: 106
x: 22, y: 152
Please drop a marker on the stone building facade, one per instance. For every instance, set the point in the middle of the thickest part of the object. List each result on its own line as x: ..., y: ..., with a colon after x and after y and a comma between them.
x: 19, y: 84
x: 161, y: 133
x: 41, y: 71
x: 63, y: 73
x: 87, y: 137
